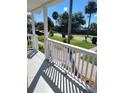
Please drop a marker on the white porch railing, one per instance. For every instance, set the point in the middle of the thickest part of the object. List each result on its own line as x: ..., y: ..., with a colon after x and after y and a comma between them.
x: 32, y: 42
x: 78, y: 62
x: 29, y: 41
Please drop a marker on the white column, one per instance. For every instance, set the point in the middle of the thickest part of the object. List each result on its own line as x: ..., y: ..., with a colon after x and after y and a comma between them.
x: 35, y: 39
x: 46, y: 31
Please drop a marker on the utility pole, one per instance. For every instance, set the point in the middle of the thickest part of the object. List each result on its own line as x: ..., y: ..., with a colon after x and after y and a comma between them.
x: 70, y: 21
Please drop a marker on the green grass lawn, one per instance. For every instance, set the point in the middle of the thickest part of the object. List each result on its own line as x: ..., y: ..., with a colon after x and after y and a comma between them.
x: 89, y: 36
x: 41, y: 48
x: 41, y: 38
x: 79, y: 43
x: 78, y: 35
x: 82, y: 44
x: 57, y: 38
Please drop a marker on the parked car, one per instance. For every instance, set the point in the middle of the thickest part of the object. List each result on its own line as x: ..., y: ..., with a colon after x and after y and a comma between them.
x: 39, y: 32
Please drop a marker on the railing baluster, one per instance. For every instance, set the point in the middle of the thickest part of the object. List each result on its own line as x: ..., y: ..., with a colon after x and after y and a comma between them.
x: 96, y: 77
x: 63, y: 57
x: 72, y: 59
x: 74, y: 63
x: 87, y: 64
x: 82, y: 65
x: 29, y: 41
x: 59, y: 55
x: 68, y: 59
x: 92, y: 68
x: 63, y: 53
x: 66, y: 63
x: 57, y: 52
x: 52, y: 49
x: 78, y: 65
x: 71, y: 62
x: 54, y: 53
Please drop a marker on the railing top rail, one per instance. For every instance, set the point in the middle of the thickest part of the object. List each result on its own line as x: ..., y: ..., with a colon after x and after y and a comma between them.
x: 32, y: 35
x: 29, y: 34
x: 87, y: 51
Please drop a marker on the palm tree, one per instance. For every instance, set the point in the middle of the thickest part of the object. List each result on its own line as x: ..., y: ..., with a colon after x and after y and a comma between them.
x: 90, y: 9
x: 55, y: 16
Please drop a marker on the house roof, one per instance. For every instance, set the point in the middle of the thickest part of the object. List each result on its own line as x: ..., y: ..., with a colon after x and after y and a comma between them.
x: 37, y: 5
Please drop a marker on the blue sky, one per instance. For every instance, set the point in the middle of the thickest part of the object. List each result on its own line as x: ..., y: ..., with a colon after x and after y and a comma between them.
x: 78, y: 5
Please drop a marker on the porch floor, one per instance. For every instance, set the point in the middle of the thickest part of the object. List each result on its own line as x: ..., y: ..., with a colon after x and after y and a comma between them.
x: 45, y: 77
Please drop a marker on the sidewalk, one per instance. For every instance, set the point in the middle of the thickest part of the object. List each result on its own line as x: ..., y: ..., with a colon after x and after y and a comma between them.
x: 94, y: 49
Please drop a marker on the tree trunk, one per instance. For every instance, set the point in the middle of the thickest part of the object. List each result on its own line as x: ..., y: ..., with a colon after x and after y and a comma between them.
x: 88, y: 26
x: 69, y: 20
x: 89, y: 20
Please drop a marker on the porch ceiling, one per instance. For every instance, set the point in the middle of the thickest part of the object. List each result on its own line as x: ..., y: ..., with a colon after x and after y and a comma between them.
x: 37, y: 5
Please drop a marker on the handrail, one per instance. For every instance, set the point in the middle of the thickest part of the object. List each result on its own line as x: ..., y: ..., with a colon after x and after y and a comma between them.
x: 77, y: 62
x: 32, y: 41
x: 87, y: 51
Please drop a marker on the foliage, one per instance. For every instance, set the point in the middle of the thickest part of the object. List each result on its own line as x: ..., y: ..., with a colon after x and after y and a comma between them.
x: 50, y: 23
x: 39, y: 25
x: 41, y: 48
x: 63, y: 23
x: 94, y: 40
x: 93, y: 27
x: 55, y: 15
x: 91, y: 7
x: 77, y: 22
x: 41, y: 38
x: 56, y: 28
x: 91, y: 59
x: 79, y: 43
x: 85, y: 31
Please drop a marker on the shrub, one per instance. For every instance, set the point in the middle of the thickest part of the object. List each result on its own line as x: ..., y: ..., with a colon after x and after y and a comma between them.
x: 63, y: 35
x: 51, y: 33
x: 94, y: 40
x: 71, y: 37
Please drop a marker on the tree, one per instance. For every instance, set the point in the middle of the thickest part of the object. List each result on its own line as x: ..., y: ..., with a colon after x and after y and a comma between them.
x: 63, y: 23
x: 55, y: 16
x: 93, y: 27
x: 90, y: 9
x: 39, y: 25
x: 77, y: 22
x: 50, y: 25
